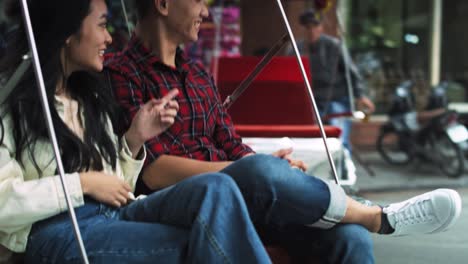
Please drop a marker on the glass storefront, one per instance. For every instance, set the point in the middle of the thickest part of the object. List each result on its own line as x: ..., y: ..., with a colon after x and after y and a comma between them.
x: 392, y: 41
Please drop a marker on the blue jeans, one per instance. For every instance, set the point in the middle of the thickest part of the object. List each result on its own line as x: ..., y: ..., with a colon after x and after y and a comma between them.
x: 200, y: 220
x: 298, y: 211
x: 338, y: 107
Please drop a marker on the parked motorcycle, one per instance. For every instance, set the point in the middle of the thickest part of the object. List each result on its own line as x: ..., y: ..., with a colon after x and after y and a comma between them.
x: 433, y: 135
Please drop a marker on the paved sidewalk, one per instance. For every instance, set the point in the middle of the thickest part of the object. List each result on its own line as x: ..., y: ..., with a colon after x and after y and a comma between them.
x: 450, y: 247
x: 392, y: 184
x: 412, y: 176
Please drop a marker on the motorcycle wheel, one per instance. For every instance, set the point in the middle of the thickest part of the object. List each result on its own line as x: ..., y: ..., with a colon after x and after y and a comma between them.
x: 452, y: 161
x: 392, y: 148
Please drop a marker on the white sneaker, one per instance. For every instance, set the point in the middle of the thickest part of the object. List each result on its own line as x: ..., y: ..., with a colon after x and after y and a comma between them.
x: 430, y: 212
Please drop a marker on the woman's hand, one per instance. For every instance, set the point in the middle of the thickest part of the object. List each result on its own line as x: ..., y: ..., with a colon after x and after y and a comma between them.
x: 105, y: 188
x: 152, y: 119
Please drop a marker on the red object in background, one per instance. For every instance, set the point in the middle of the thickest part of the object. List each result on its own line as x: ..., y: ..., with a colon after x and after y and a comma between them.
x: 278, y: 131
x: 276, y: 96
x: 276, y: 104
x: 321, y: 4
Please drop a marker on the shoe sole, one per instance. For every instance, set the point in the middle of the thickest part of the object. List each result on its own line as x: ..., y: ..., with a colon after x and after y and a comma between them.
x: 455, y: 211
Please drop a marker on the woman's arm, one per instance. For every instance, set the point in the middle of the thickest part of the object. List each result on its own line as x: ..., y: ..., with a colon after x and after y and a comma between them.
x: 25, y: 202
x: 25, y: 199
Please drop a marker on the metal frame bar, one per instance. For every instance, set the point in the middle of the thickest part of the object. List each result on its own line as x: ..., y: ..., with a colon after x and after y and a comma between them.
x: 50, y: 125
x: 15, y: 77
x: 253, y: 74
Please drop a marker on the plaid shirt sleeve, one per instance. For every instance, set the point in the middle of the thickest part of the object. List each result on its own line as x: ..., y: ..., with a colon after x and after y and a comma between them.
x: 225, y: 135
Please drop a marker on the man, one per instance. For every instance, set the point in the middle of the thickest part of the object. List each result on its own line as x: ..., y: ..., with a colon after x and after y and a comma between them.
x: 327, y: 66
x: 301, y: 212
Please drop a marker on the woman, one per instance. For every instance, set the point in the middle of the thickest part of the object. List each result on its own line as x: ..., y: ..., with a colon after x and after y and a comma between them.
x: 101, y: 168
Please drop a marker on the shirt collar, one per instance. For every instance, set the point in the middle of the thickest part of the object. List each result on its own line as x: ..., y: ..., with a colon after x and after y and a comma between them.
x: 140, y: 53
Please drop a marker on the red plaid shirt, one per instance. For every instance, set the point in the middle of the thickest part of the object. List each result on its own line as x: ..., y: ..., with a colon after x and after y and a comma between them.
x: 203, y: 130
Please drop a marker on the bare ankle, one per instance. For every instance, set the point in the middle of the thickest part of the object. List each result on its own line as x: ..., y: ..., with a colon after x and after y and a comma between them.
x: 376, y: 220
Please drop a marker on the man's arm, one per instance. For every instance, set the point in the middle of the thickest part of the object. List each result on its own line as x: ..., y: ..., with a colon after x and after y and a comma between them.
x: 163, y: 170
x: 168, y: 170
x: 363, y: 102
x: 225, y: 134
x: 356, y: 78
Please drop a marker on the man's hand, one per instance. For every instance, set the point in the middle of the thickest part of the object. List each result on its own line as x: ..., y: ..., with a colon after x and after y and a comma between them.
x: 105, y: 188
x: 287, y: 155
x: 152, y: 119
x: 366, y: 105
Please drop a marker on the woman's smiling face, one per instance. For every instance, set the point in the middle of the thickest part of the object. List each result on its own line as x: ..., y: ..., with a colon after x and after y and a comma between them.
x: 85, y: 49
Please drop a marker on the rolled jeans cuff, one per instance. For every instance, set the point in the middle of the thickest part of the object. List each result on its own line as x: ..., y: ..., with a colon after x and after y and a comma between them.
x: 336, y: 210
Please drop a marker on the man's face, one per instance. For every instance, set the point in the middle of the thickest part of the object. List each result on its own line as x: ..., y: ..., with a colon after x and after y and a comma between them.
x: 314, y: 31
x: 185, y: 17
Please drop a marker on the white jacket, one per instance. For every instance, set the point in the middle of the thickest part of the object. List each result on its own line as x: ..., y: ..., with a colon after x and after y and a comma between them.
x: 25, y: 198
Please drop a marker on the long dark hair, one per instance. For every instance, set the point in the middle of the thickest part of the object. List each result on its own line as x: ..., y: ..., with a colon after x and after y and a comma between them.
x: 53, y: 22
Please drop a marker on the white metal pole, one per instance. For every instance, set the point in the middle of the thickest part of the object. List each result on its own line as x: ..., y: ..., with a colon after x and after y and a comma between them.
x: 436, y: 41
x: 50, y: 126
x: 309, y: 89
x: 124, y: 9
